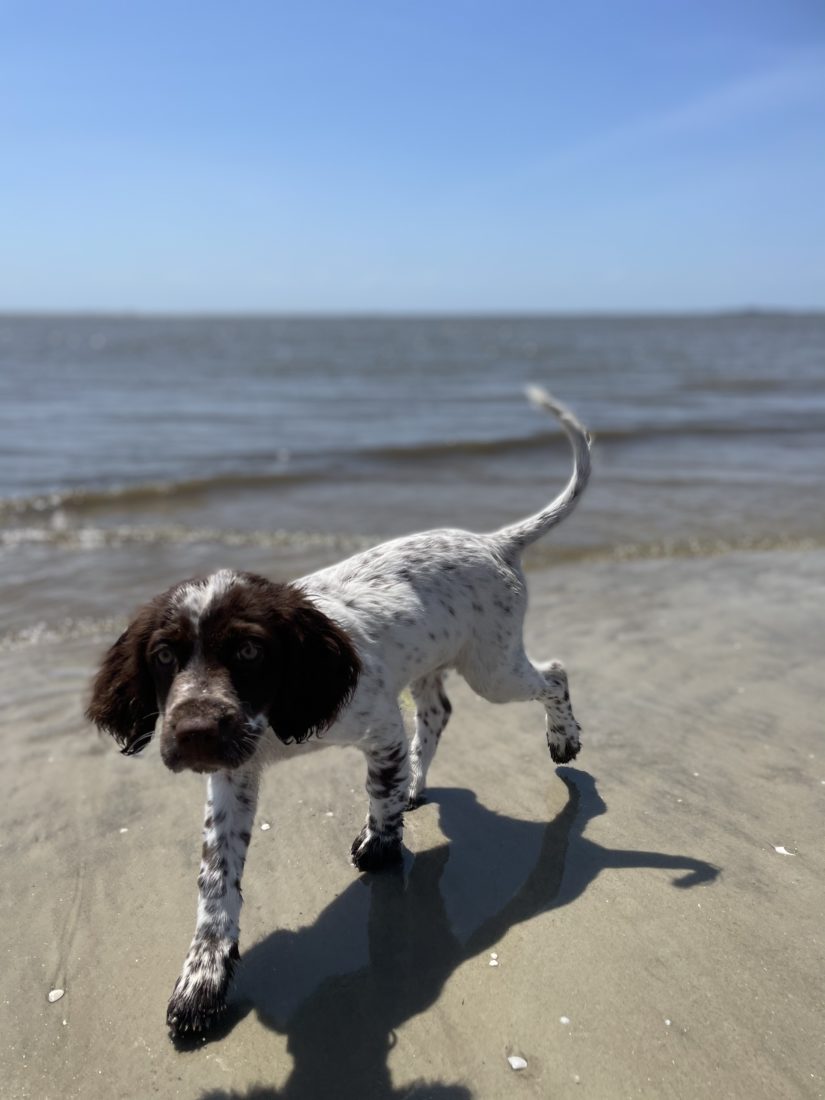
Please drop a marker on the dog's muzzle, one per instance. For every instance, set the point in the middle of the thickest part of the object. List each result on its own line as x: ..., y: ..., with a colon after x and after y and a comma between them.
x: 205, y: 736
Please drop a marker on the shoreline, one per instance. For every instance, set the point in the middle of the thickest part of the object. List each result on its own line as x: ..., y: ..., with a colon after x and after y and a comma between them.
x: 638, y: 894
x: 283, y: 555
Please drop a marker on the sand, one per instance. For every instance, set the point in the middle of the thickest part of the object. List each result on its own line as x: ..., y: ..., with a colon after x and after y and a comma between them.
x: 650, y: 938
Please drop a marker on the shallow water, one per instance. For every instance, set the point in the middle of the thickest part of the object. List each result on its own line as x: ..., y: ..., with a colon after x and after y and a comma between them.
x: 136, y: 451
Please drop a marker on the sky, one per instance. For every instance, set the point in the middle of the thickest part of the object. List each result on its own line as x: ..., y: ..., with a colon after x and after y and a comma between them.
x: 418, y: 156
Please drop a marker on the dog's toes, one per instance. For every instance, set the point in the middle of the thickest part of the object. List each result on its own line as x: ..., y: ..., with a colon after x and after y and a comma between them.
x: 563, y: 742
x: 198, y: 1001
x: 192, y: 1015
x: 414, y: 802
x: 373, y: 851
x: 563, y: 754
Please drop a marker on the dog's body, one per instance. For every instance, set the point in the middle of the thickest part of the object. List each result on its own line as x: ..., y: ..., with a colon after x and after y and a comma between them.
x: 235, y: 665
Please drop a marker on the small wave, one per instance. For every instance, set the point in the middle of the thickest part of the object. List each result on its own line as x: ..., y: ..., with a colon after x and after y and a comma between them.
x: 541, y: 556
x: 90, y: 538
x: 67, y: 630
x: 543, y: 440
x: 95, y: 538
x: 333, y: 465
x: 438, y: 448
x: 100, y: 498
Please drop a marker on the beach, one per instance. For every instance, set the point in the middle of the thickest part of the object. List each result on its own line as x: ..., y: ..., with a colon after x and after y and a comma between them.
x: 646, y: 921
x: 654, y: 909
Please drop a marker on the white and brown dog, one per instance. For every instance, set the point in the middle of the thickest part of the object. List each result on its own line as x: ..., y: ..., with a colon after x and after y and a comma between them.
x: 224, y: 665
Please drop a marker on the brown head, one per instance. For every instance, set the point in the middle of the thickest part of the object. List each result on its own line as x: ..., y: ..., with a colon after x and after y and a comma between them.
x: 218, y: 659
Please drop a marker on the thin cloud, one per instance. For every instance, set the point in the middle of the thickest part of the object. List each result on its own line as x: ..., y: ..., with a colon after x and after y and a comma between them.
x: 799, y: 81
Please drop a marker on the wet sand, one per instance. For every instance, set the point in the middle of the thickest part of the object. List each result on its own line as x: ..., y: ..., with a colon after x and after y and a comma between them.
x: 650, y: 939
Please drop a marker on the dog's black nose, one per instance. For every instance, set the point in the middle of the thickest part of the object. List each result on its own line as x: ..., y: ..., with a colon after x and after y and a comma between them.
x: 199, y: 740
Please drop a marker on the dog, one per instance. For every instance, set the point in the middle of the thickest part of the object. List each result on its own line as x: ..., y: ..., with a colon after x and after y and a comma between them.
x: 229, y: 668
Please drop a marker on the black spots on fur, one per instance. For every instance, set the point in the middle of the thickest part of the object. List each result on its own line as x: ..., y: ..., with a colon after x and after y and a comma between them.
x: 246, y: 800
x: 213, y: 858
x: 245, y: 837
x: 385, y: 770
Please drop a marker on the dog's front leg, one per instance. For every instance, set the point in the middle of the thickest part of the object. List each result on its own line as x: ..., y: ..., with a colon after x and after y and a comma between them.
x: 388, y: 781
x: 199, y: 997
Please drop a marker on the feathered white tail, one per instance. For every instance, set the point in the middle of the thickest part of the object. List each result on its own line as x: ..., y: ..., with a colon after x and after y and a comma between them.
x: 528, y: 530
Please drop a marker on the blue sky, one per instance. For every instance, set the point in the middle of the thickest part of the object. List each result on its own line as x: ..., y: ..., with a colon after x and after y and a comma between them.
x: 439, y: 155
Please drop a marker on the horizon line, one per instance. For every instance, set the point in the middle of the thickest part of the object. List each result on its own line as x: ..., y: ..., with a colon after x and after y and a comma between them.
x: 408, y: 314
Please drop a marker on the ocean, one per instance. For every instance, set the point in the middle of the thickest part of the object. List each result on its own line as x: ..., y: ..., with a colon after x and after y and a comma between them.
x: 137, y: 451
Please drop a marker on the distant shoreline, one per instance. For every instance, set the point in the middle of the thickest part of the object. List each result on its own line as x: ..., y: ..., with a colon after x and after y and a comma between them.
x: 733, y: 313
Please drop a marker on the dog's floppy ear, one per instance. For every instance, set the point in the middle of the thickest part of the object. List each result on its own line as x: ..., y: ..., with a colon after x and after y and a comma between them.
x: 318, y: 673
x: 123, y: 701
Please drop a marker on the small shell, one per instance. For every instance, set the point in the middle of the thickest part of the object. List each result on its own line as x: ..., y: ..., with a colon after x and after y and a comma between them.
x: 517, y: 1062
x: 55, y: 995
x: 564, y: 1019
x: 264, y: 826
x: 782, y: 850
x: 493, y: 962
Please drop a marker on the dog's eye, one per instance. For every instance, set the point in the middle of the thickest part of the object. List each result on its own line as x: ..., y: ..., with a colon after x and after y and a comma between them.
x: 164, y: 656
x: 249, y: 651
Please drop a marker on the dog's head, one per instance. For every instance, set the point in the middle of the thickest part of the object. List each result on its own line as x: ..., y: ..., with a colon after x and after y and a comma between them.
x: 217, y: 659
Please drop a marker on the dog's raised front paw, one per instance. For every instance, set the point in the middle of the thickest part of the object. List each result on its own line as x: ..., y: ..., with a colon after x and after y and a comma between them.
x: 198, y: 1001
x: 371, y: 850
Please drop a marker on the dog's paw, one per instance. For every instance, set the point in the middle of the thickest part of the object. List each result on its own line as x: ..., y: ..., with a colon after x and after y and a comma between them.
x: 564, y: 742
x: 189, y: 1015
x: 414, y: 801
x: 372, y: 851
x: 198, y: 1001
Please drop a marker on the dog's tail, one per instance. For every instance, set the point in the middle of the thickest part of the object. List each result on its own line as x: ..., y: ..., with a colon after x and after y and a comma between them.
x: 519, y: 535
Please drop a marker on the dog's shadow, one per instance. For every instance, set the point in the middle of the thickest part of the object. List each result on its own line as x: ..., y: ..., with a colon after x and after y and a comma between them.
x: 381, y: 952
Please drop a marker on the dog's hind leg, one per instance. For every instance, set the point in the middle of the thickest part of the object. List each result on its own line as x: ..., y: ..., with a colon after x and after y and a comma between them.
x: 432, y: 713
x: 563, y: 731
x: 516, y: 680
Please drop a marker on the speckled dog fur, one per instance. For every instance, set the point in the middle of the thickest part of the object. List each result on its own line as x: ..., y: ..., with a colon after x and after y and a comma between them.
x: 230, y: 668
